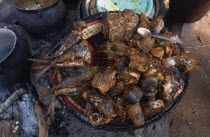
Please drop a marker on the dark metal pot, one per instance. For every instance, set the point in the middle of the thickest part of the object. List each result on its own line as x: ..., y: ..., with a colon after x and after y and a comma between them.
x: 7, y: 12
x: 14, y: 67
x: 40, y: 20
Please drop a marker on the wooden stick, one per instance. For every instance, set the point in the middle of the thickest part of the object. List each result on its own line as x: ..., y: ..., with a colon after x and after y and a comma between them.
x: 42, y: 122
x: 14, y: 97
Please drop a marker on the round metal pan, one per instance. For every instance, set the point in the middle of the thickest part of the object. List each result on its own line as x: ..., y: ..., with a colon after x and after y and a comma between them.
x: 75, y: 109
x: 130, y: 126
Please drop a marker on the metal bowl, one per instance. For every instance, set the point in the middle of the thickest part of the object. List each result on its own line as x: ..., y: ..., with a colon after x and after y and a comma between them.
x: 14, y: 67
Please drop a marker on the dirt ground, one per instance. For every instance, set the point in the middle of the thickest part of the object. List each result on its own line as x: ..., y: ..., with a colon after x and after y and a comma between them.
x: 191, y: 118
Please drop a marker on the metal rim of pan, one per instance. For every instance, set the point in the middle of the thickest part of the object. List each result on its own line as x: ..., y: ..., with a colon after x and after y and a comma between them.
x: 11, y: 32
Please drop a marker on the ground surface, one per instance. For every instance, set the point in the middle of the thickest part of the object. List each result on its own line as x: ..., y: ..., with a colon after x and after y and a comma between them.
x: 191, y: 118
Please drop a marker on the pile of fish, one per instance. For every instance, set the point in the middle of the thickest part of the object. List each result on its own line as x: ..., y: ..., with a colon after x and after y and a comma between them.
x: 128, y: 77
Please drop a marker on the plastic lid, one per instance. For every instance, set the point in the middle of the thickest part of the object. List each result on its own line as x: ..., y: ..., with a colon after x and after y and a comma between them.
x: 138, y: 6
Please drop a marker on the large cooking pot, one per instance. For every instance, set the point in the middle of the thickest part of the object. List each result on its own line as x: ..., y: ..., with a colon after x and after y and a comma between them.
x: 14, y: 67
x: 7, y: 12
x: 40, y: 16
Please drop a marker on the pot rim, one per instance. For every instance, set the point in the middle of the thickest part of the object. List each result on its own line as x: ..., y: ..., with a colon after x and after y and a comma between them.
x: 11, y: 32
x: 32, y: 10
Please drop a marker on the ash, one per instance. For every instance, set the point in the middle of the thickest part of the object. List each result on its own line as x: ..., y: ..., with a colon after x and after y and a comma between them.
x: 27, y: 116
x: 23, y: 113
